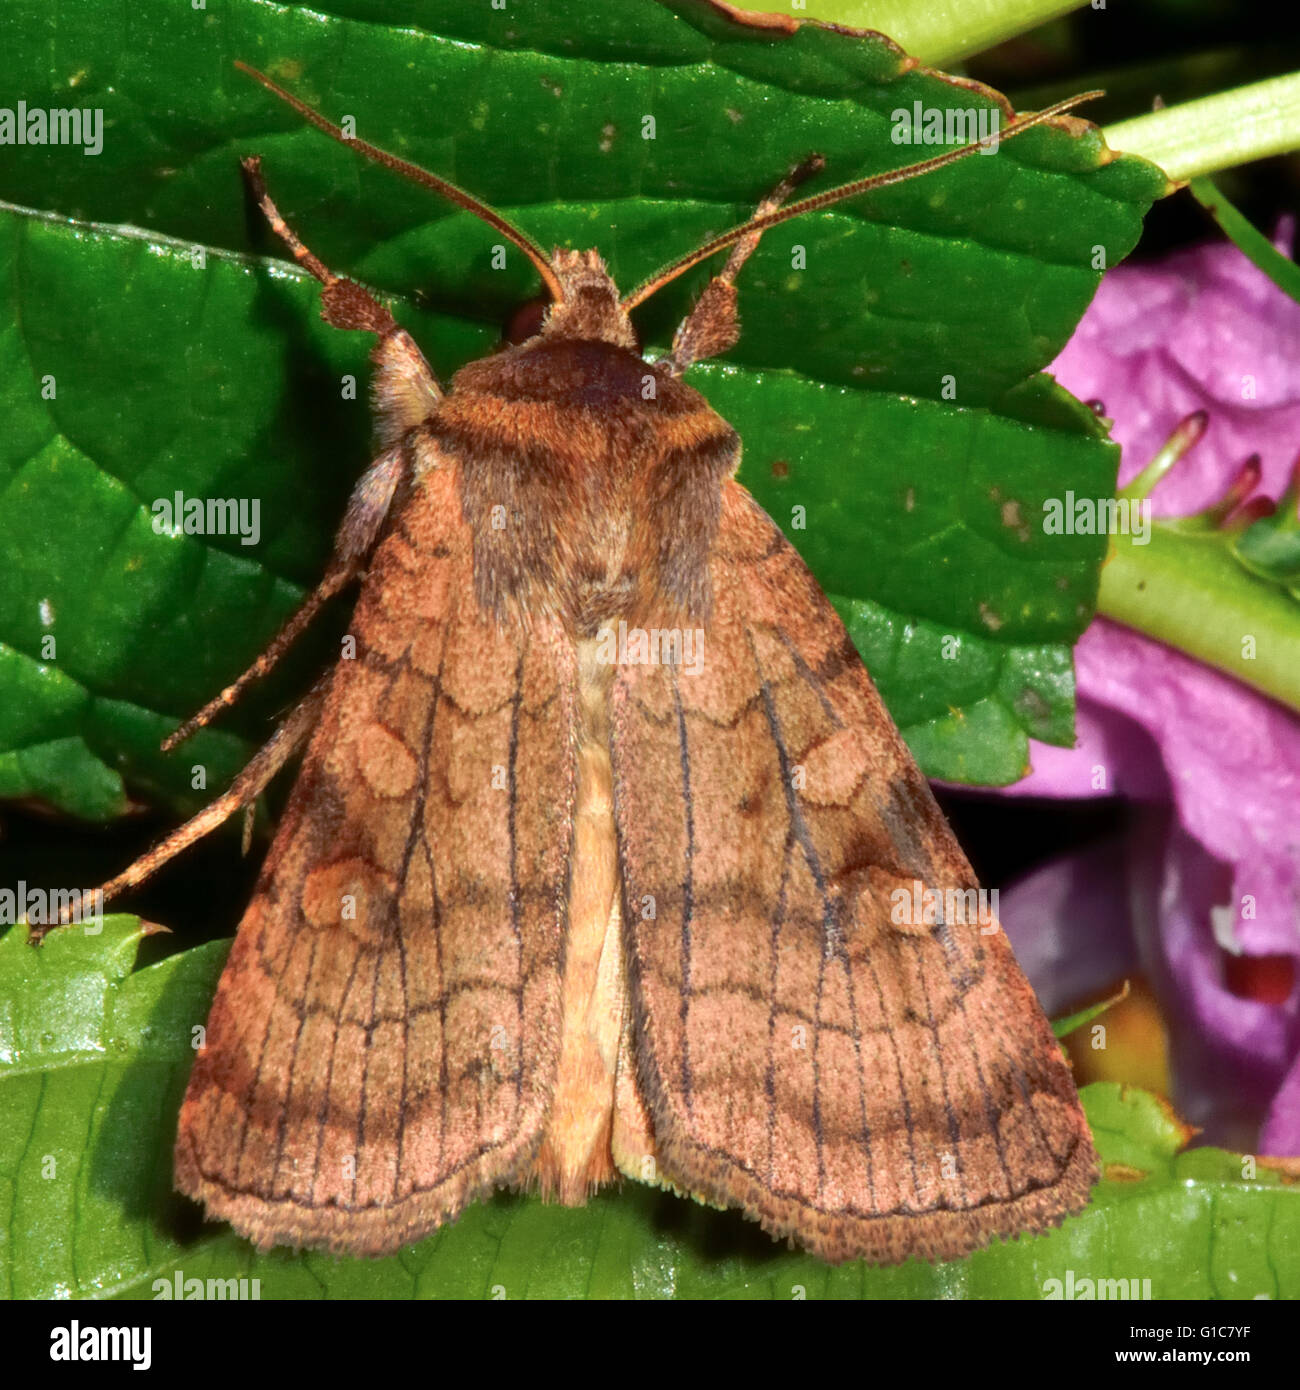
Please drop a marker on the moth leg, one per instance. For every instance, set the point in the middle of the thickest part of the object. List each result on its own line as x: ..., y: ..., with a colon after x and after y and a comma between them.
x: 362, y: 522
x: 713, y: 325
x: 243, y: 791
x: 405, y: 391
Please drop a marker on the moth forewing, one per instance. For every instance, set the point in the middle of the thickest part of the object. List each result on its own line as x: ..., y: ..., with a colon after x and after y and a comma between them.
x: 589, y: 867
x: 871, y: 1088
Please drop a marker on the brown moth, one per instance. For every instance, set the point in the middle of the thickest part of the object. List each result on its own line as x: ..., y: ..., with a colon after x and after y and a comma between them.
x: 541, y: 912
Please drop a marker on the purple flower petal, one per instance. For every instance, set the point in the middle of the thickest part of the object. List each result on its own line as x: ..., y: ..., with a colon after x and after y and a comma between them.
x: 1229, y: 1054
x: 1202, y: 330
x: 1157, y: 725
x: 1281, y: 1132
x: 1069, y: 925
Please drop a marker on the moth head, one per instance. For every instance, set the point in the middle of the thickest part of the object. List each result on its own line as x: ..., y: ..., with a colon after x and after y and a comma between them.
x: 588, y: 303
x: 584, y: 302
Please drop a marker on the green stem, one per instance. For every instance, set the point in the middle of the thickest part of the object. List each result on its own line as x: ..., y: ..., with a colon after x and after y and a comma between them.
x: 938, y: 32
x: 1248, y: 240
x: 1186, y: 589
x: 1216, y: 132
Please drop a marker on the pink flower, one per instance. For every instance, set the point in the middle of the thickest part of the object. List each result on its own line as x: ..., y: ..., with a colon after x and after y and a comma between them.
x: 1212, y: 877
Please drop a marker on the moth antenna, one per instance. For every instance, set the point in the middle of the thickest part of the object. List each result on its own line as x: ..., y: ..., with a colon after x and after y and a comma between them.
x: 834, y: 195
x: 441, y: 186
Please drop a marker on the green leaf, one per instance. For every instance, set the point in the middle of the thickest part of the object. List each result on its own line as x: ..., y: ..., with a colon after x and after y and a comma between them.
x: 93, y: 1062
x: 139, y: 366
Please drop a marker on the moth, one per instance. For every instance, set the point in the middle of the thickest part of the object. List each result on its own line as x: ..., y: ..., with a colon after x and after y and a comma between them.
x: 543, y: 911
